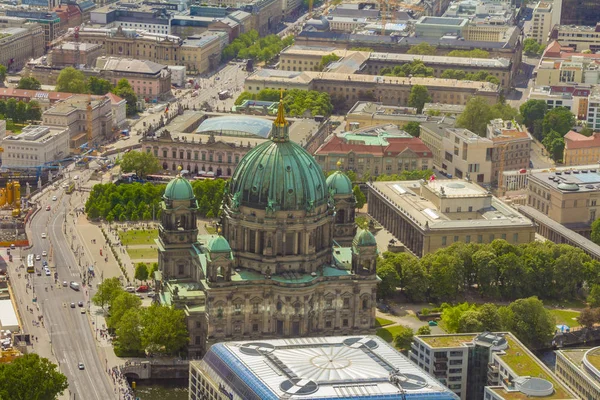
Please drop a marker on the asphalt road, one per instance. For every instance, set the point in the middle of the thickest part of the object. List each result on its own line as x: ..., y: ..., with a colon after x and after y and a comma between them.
x: 70, y: 331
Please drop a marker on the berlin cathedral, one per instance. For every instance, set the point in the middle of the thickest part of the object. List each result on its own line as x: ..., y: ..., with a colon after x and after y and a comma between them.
x: 288, y: 260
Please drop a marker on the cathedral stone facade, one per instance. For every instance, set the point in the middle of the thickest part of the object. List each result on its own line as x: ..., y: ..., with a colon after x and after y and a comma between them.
x: 277, y: 268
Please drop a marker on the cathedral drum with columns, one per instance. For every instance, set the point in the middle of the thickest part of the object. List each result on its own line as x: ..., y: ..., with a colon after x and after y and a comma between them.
x: 278, y: 267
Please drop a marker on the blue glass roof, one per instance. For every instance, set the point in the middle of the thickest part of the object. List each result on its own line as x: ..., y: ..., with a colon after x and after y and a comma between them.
x: 243, y: 125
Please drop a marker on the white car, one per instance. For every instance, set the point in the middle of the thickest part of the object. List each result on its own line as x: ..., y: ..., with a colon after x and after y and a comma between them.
x: 44, y: 235
x: 47, y: 271
x: 53, y: 198
x: 44, y: 253
x: 38, y: 257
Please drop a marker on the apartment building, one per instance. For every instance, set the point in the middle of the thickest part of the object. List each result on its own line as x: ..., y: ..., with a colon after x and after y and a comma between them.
x: 150, y: 19
x: 72, y: 114
x: 542, y: 22
x: 511, y: 146
x: 49, y: 21
x: 489, y: 366
x: 573, y: 97
x: 580, y: 149
x: 580, y: 370
x: 593, y: 111
x: 202, y: 53
x: 569, y: 197
x: 570, y: 69
x: 149, y: 80
x: 373, y: 151
x: 427, y: 216
x: 389, y: 90
x: 459, y: 152
x: 579, y: 38
x: 35, y: 145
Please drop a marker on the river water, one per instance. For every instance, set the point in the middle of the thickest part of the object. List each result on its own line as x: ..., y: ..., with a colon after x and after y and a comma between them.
x: 172, y: 389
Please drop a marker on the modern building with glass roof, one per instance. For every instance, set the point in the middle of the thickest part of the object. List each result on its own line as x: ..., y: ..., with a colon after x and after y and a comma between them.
x: 236, y: 125
x: 342, y: 367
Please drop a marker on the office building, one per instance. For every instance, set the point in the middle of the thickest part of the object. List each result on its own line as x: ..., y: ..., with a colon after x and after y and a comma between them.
x: 374, y: 151
x: 20, y: 41
x: 349, y: 367
x: 542, y: 22
x: 579, y: 12
x: 119, y: 110
x: 490, y: 366
x: 49, y: 21
x: 202, y: 53
x: 427, y: 216
x: 143, y: 17
x: 286, y: 276
x: 579, y: 38
x: 72, y: 114
x: 44, y: 99
x: 367, y: 113
x: 580, y: 370
x: 149, y: 80
x: 35, y: 145
x: 593, y: 111
x: 436, y: 27
x: 580, y: 149
x: 350, y: 88
x: 459, y: 152
x: 567, y: 68
x: 569, y: 197
x: 511, y: 147
x: 69, y: 14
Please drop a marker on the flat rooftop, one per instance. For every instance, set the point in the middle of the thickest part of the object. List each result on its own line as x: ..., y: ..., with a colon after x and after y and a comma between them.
x: 407, y: 197
x: 443, y: 21
x: 441, y: 341
x: 349, y: 367
x: 569, y: 180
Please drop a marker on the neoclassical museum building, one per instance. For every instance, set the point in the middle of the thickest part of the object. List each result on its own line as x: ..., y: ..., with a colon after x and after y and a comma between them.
x: 288, y: 260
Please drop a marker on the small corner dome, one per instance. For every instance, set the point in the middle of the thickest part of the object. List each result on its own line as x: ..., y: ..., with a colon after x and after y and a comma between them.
x: 179, y: 189
x: 219, y: 245
x: 339, y: 183
x: 364, y: 238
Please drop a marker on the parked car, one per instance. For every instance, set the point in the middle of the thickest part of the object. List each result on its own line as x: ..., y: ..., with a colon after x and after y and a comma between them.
x: 384, y: 308
x: 130, y: 289
x: 433, y: 323
x: 142, y: 289
x: 72, y: 305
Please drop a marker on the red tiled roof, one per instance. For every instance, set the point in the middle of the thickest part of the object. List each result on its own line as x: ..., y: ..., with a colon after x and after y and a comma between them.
x: 396, y: 146
x: 33, y: 94
x: 575, y: 140
x: 114, y: 98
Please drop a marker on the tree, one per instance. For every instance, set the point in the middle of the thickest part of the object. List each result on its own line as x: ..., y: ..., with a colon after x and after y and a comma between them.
x: 555, y: 144
x: 451, y: 315
x: 419, y: 95
x: 559, y: 119
x: 20, y: 112
x: 29, y: 82
x: 593, y: 298
x: 141, y: 272
x: 71, y: 80
x: 469, y: 322
x: 31, y: 377
x: 129, y: 335
x: 329, y: 58
x: 413, y: 128
x: 588, y: 317
x: 11, y: 108
x: 2, y: 74
x: 163, y: 329
x: 122, y: 303
x: 360, y: 197
x: 530, y: 322
x: 404, y: 338
x: 390, y: 279
x: 585, y: 131
x: 153, y: 269
x: 142, y: 163
x: 595, y: 235
x: 533, y: 110
x: 34, y: 112
x: 423, y: 48
x: 532, y: 48
x: 107, y: 292
x: 424, y: 330
x: 476, y: 117
x: 98, y: 86
x: 243, y: 97
x: 124, y: 90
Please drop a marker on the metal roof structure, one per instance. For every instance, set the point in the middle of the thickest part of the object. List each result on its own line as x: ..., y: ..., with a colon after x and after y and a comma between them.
x: 349, y: 367
x: 237, y: 125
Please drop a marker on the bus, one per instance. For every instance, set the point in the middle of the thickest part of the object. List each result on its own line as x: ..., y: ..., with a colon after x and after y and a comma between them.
x: 71, y: 188
x: 224, y: 95
x: 159, y: 178
x: 30, y: 264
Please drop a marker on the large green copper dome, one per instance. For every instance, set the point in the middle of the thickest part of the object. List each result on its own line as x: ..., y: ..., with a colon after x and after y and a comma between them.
x: 179, y: 189
x: 339, y: 183
x: 279, y: 175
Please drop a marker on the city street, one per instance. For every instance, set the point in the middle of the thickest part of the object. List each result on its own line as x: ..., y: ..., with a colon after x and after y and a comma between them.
x: 69, y: 329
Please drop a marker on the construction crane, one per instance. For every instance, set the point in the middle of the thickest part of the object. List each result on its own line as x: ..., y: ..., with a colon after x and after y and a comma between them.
x: 310, y: 9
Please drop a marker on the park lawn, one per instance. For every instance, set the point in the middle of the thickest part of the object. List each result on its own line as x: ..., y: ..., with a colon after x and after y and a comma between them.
x: 388, y: 334
x: 566, y: 317
x: 384, y: 322
x: 133, y: 237
x: 143, y: 254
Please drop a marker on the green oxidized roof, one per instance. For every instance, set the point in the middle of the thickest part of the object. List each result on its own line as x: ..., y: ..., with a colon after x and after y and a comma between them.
x: 339, y: 183
x: 179, y: 189
x: 219, y: 245
x: 364, y: 238
x: 279, y: 175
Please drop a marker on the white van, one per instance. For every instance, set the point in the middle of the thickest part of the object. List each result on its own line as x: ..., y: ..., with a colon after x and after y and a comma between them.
x: 130, y: 289
x: 74, y: 286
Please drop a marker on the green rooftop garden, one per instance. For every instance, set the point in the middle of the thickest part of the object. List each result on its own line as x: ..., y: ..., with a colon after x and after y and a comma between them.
x: 447, y: 340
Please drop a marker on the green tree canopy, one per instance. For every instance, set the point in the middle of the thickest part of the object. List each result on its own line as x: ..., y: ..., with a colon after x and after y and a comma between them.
x: 3, y: 72
x: 530, y: 322
x: 390, y: 279
x: 251, y: 45
x: 129, y: 333
x: 121, y: 304
x: 329, y: 58
x: 31, y: 377
x: 108, y: 290
x: 140, y: 162
x: 593, y: 298
x: 424, y: 330
x: 419, y: 95
x: 559, y: 119
x: 423, y: 48
x: 34, y: 111
x: 124, y: 90
x: 532, y: 48
x: 29, y: 82
x: 404, y: 338
x: 360, y: 197
x: 164, y: 329
x: 71, y: 80
x: 478, y: 114
x: 414, y: 128
x: 98, y: 86
x: 415, y: 68
x: 296, y: 101
x: 141, y: 271
x: 531, y: 111
x: 475, y: 53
